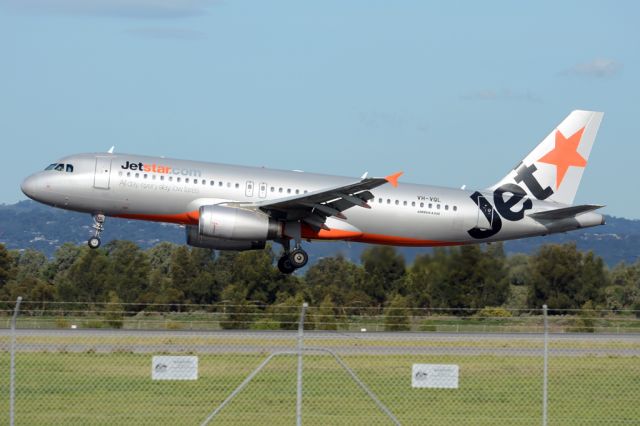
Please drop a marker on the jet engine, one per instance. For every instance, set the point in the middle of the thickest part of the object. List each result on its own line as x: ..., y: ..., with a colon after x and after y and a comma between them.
x: 195, y: 239
x: 232, y: 223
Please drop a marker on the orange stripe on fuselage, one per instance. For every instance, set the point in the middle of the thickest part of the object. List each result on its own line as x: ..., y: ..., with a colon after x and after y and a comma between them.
x: 191, y: 218
x: 188, y: 218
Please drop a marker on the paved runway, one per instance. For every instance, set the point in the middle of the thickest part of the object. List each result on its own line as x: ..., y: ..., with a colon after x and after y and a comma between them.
x: 343, y: 343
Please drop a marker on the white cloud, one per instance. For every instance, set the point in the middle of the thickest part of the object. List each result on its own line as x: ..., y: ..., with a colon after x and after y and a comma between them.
x: 599, y: 68
x: 500, y: 95
x: 167, y: 33
x: 147, y: 9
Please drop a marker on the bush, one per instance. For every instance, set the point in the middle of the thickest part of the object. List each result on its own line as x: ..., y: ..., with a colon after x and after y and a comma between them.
x: 493, y: 312
x: 266, y: 324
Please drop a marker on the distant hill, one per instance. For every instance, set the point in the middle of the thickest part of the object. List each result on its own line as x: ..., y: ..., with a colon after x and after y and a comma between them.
x: 28, y: 224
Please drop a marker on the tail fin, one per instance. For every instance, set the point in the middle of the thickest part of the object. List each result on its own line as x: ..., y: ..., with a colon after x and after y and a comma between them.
x: 552, y: 171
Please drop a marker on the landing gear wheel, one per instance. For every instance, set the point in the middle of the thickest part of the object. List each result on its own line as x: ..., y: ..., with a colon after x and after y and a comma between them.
x: 285, y: 266
x: 298, y: 258
x: 94, y: 242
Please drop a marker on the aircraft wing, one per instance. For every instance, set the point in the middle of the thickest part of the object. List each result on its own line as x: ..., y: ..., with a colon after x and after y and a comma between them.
x: 314, y: 207
x: 565, y: 212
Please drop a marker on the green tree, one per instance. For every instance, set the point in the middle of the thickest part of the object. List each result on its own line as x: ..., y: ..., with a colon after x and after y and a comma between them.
x: 564, y: 278
x: 85, y: 280
x: 396, y: 315
x: 326, y: 317
x: 7, y: 271
x: 384, y: 272
x: 337, y: 278
x: 127, y: 274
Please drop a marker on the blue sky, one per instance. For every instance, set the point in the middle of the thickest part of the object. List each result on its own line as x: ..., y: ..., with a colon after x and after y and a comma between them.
x: 450, y: 92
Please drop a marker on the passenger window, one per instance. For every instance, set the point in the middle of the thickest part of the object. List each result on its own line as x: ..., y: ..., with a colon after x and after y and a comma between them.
x: 421, y: 204
x: 153, y: 177
x: 446, y: 206
x: 430, y: 205
x: 455, y: 208
x: 137, y: 175
x: 186, y: 180
x: 128, y: 174
x: 288, y: 190
x: 51, y: 166
x: 438, y: 206
x: 404, y: 203
x: 228, y: 184
x: 178, y: 179
x: 145, y: 175
x: 305, y: 191
x: 195, y: 181
x: 397, y: 202
x: 161, y: 177
x: 388, y: 200
x: 280, y: 190
x: 211, y: 183
x: 413, y: 204
x: 204, y: 182
x: 237, y: 185
x: 59, y: 167
x: 170, y: 178
x: 273, y: 189
x: 380, y: 200
x: 69, y: 168
x: 220, y: 183
x: 297, y: 191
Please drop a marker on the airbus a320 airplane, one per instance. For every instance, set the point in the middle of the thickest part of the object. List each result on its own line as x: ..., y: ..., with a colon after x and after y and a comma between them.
x: 241, y: 208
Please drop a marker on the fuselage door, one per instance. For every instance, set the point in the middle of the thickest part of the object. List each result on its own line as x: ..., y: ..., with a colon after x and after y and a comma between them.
x: 485, y: 214
x: 263, y: 190
x: 249, y: 189
x: 103, y: 173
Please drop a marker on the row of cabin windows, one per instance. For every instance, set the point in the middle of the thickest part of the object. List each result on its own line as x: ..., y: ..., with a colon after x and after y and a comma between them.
x: 281, y: 190
x: 195, y: 181
x: 422, y: 204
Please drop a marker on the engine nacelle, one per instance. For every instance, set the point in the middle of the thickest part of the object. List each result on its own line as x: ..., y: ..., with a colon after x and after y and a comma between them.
x: 195, y: 239
x: 232, y: 223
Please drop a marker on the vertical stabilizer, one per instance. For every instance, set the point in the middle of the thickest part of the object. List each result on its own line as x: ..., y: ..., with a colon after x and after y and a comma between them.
x: 552, y: 171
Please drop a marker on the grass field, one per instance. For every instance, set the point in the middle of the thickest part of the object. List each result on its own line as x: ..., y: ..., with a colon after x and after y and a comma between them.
x: 116, y: 388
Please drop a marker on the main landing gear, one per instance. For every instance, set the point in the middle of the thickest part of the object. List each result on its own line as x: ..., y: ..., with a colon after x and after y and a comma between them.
x: 292, y: 259
x: 98, y: 226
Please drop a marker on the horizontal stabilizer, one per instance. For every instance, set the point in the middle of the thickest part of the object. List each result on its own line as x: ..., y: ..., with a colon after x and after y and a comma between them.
x: 565, y: 212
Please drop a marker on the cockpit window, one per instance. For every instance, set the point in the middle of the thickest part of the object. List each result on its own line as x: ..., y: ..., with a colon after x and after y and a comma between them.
x: 60, y: 167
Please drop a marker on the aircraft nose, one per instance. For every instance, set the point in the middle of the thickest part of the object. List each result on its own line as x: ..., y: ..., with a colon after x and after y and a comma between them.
x: 31, y: 186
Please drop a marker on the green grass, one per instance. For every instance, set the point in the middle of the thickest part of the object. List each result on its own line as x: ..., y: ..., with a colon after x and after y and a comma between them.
x: 116, y: 388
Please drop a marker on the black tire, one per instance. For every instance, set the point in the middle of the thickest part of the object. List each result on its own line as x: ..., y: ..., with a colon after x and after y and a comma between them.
x: 298, y: 258
x: 94, y: 242
x: 285, y: 266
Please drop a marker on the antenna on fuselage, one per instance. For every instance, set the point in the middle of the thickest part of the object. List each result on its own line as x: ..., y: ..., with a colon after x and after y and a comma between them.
x: 111, y: 149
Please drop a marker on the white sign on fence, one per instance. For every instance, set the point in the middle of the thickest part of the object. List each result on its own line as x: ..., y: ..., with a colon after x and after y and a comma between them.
x: 436, y: 376
x: 174, y: 368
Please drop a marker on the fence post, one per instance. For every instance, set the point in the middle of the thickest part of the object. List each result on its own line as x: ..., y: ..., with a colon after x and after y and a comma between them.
x: 300, y: 350
x: 546, y: 367
x: 12, y: 384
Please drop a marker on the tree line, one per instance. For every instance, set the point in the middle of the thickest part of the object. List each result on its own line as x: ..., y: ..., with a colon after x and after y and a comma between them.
x: 467, y: 277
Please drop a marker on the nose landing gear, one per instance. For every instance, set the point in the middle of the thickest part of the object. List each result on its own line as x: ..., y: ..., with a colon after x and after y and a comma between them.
x: 98, y: 226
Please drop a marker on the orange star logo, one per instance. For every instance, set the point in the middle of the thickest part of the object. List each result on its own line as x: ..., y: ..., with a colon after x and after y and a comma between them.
x: 565, y: 154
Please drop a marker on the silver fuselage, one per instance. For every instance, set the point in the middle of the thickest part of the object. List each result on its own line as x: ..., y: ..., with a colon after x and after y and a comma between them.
x: 171, y: 190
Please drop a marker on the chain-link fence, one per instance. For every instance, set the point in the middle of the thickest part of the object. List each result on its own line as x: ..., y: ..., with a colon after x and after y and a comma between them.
x: 250, y: 364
